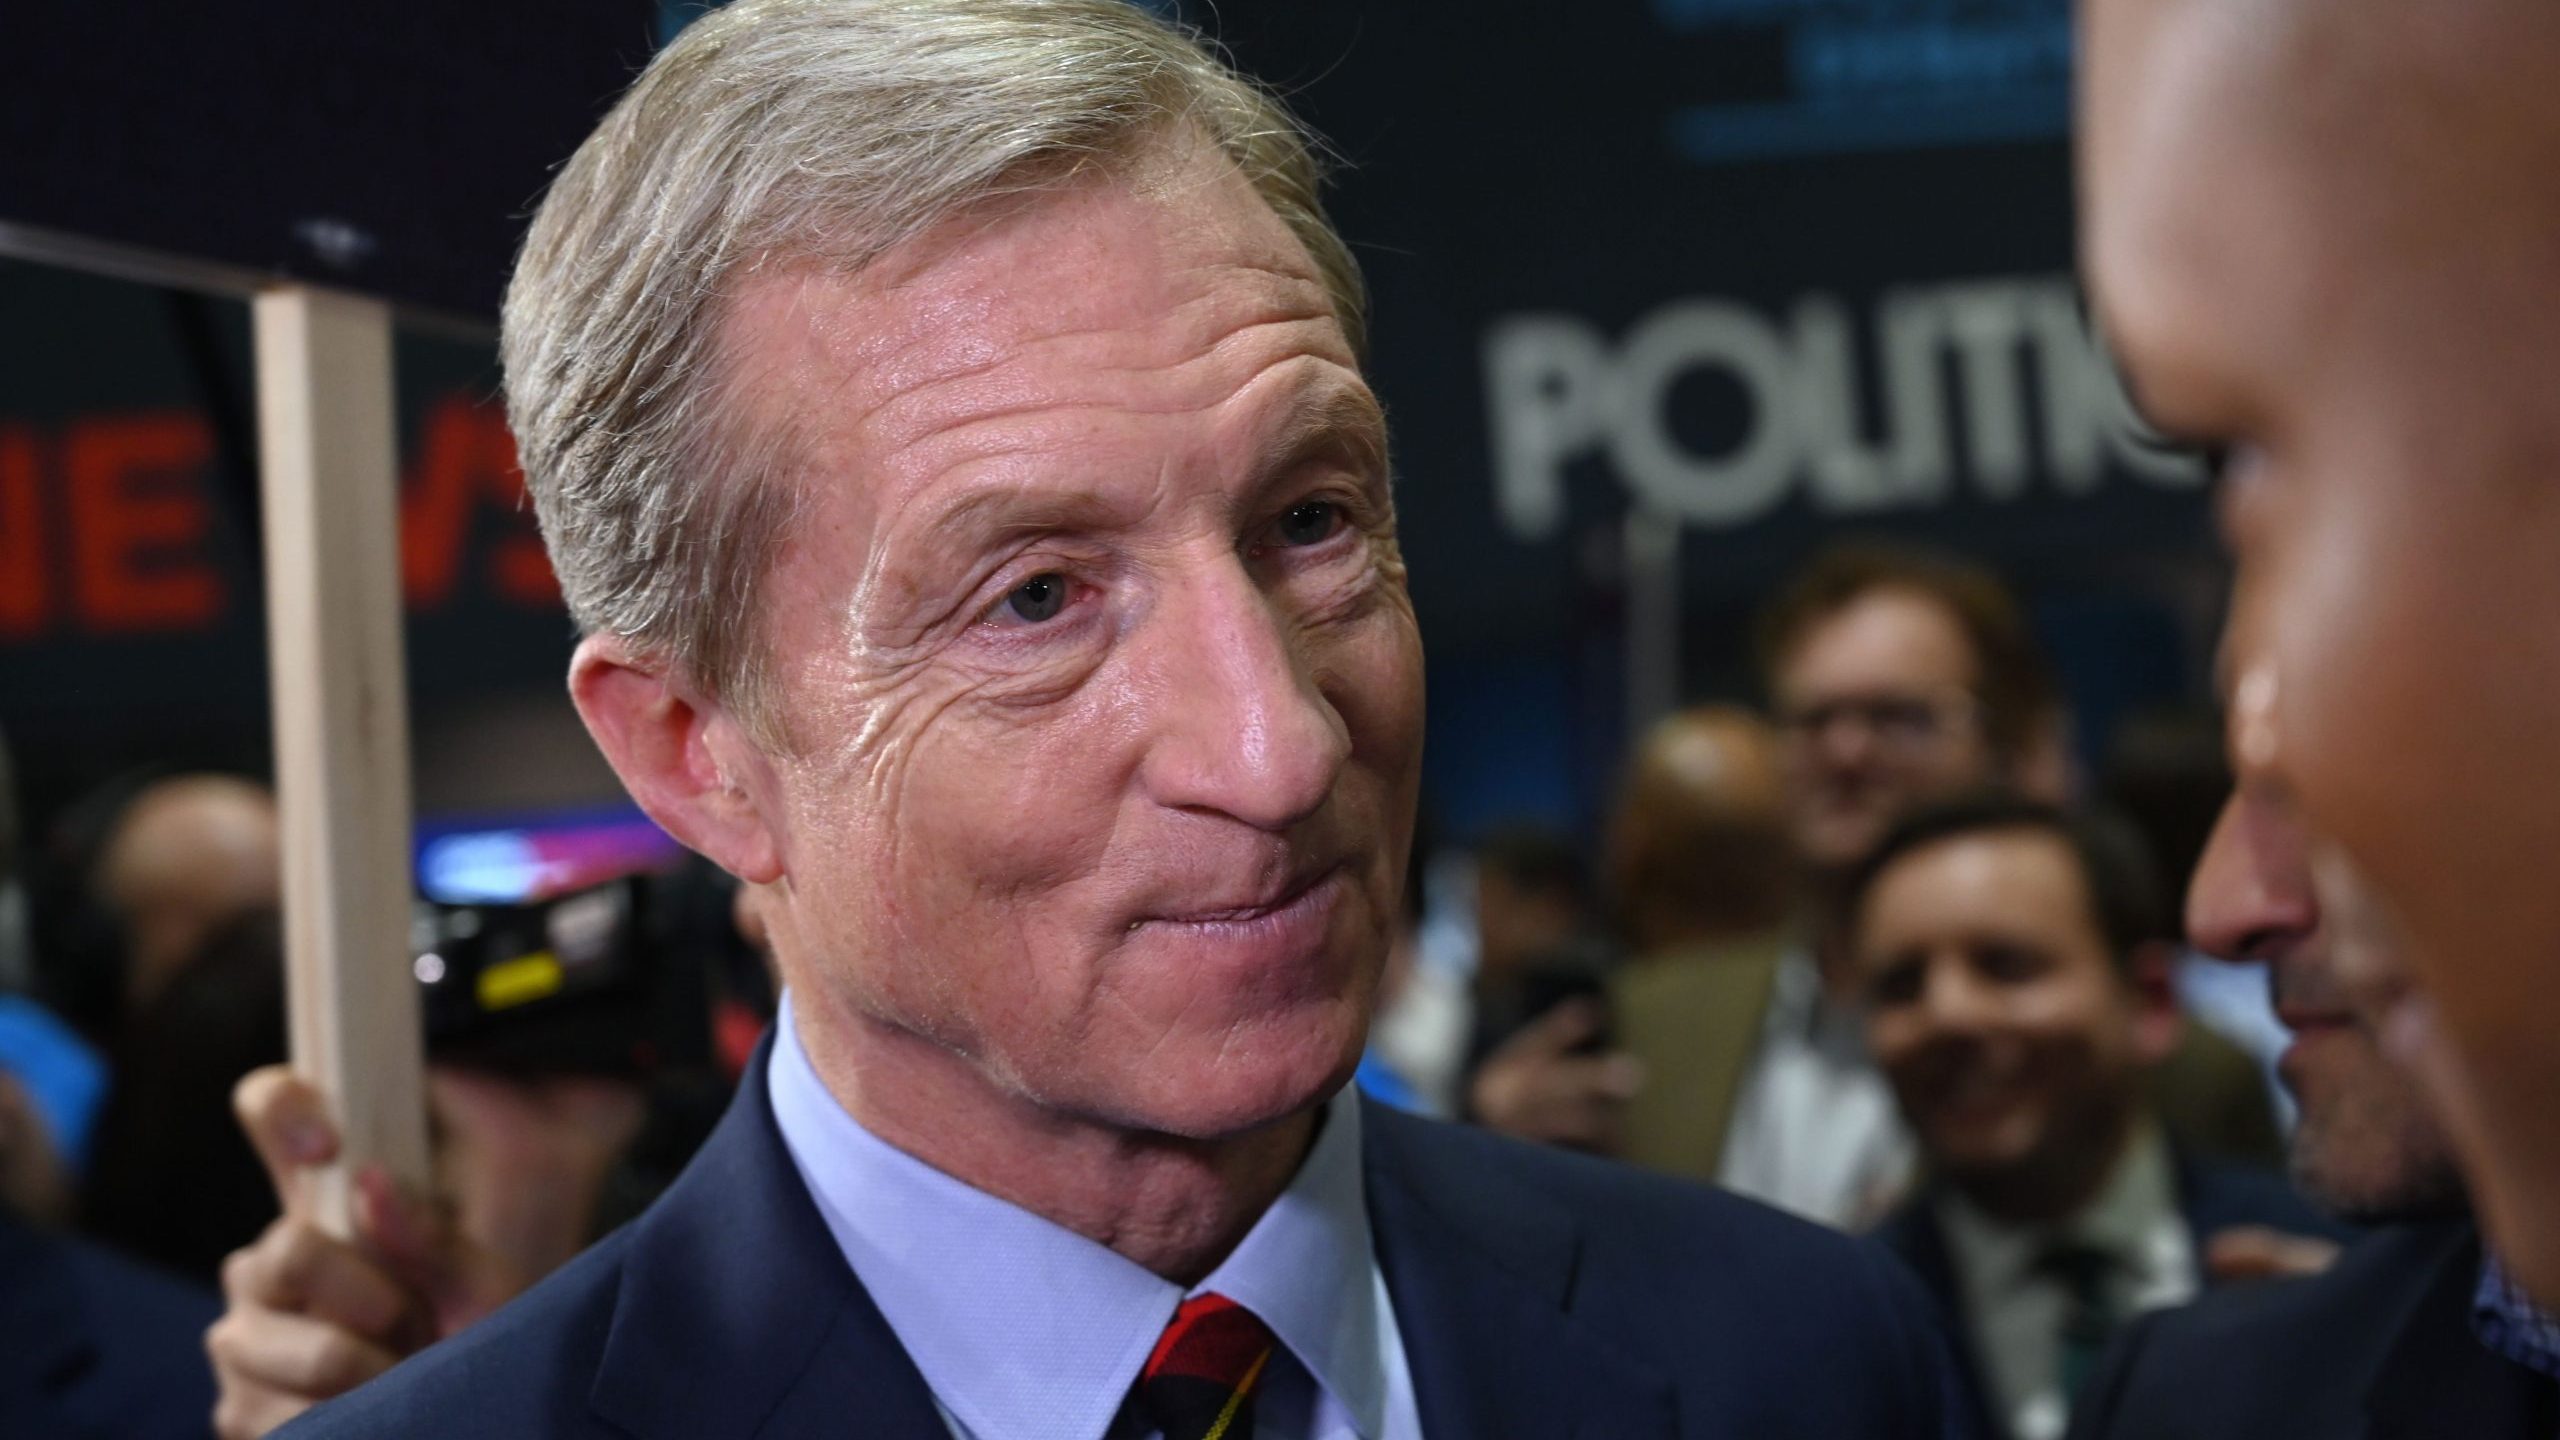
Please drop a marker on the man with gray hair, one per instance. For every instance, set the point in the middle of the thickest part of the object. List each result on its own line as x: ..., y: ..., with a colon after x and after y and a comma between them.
x: 947, y: 421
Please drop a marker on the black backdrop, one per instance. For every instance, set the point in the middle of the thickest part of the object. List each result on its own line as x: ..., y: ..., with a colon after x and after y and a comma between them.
x: 1773, y: 269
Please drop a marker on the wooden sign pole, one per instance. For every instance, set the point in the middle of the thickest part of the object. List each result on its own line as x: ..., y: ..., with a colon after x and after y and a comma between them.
x: 341, y: 722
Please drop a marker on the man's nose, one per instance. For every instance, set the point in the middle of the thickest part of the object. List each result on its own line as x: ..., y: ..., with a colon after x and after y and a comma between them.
x: 1844, y: 742
x: 1245, y: 731
x: 1953, y: 1001
x: 2251, y: 898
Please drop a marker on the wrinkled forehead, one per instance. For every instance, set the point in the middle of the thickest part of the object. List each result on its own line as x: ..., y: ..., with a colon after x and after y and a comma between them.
x: 2022, y: 879
x: 2183, y: 176
x: 1888, y: 636
x: 1129, y: 265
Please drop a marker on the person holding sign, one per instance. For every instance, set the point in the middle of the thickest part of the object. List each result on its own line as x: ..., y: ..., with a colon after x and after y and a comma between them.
x: 947, y: 421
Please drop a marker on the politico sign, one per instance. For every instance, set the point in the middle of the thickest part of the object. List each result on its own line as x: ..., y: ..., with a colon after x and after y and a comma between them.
x: 1983, y: 388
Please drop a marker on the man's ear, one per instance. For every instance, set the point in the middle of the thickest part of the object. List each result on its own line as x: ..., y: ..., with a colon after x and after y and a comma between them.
x: 2159, y: 1021
x: 682, y: 755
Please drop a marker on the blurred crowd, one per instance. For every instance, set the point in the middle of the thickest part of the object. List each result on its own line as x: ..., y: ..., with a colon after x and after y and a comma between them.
x: 142, y: 942
x: 1876, y: 952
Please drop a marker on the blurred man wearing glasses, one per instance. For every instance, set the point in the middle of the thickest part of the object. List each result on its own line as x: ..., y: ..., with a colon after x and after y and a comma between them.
x: 1896, y: 676
x: 1899, y: 676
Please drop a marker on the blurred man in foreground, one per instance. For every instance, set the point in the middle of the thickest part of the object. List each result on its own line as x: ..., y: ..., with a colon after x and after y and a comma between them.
x: 2323, y: 238
x: 2015, y: 970
x: 946, y: 420
x: 2407, y: 1334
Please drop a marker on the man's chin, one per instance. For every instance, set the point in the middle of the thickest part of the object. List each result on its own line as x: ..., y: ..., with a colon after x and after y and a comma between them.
x: 2368, y: 1179
x: 1237, y: 1095
x: 1839, y: 835
x: 1989, y: 1155
x: 2385, y: 1199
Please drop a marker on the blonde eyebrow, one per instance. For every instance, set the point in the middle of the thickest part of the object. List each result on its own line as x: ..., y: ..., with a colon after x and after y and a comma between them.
x: 1347, y: 418
x: 1003, y: 511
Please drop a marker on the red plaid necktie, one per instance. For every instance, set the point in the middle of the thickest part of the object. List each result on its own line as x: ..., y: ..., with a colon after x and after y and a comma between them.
x: 1199, y: 1383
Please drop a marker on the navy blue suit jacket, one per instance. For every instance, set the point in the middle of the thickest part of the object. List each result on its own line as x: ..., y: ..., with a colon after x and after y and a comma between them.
x: 2377, y: 1348
x: 2211, y: 1196
x: 1539, y: 1295
x: 96, y: 1347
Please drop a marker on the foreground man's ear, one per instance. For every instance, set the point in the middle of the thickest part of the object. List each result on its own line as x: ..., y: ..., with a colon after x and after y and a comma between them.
x: 681, y: 754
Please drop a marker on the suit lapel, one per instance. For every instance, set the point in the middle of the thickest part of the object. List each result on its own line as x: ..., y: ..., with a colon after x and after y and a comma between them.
x: 1915, y: 1237
x: 1481, y: 1272
x: 2438, y: 1379
x: 737, y: 1313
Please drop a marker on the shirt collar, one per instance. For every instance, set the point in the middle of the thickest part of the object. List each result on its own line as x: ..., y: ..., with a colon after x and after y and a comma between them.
x: 1307, y: 1267
x: 1026, y: 1330
x: 2511, y: 1325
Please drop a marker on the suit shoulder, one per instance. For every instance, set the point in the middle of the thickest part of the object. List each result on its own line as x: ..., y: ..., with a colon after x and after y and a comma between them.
x: 1775, y: 1325
x: 145, y: 1370
x: 137, y: 1298
x: 2267, y: 1357
x: 524, y: 1371
x: 2320, y: 1319
x: 1626, y: 1194
x: 1669, y: 1237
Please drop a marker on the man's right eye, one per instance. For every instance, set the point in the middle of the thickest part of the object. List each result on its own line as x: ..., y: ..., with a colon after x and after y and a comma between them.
x: 2011, y: 964
x: 1896, y: 987
x: 1038, y: 599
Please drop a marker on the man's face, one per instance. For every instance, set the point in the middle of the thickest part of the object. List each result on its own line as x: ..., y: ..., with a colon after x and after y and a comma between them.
x: 1876, y: 713
x: 2366, y: 1147
x: 2012, y: 1038
x: 2323, y: 235
x: 1102, y: 688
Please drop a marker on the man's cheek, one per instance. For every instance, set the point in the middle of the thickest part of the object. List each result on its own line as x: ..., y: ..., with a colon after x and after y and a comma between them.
x: 2326, y: 608
x: 1372, y: 674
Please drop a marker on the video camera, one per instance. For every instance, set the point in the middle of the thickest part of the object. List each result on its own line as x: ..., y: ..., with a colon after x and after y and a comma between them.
x: 613, y: 979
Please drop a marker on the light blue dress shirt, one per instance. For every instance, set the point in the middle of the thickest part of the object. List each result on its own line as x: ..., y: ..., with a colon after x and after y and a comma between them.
x: 1025, y: 1330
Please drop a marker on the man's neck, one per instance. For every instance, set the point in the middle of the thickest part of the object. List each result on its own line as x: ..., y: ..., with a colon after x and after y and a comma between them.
x: 1176, y: 1206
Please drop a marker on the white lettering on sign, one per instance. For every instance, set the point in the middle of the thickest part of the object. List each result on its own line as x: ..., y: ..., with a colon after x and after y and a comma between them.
x: 1980, y: 387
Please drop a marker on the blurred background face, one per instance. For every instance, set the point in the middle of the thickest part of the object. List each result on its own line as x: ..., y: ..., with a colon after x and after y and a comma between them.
x: 2014, y: 1041
x: 1697, y: 848
x: 191, y: 855
x: 1875, y: 711
x: 2273, y: 195
x: 1103, y: 687
x: 2366, y: 1147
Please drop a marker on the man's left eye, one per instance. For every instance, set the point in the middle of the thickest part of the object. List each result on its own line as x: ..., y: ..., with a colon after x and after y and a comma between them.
x: 1310, y: 523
